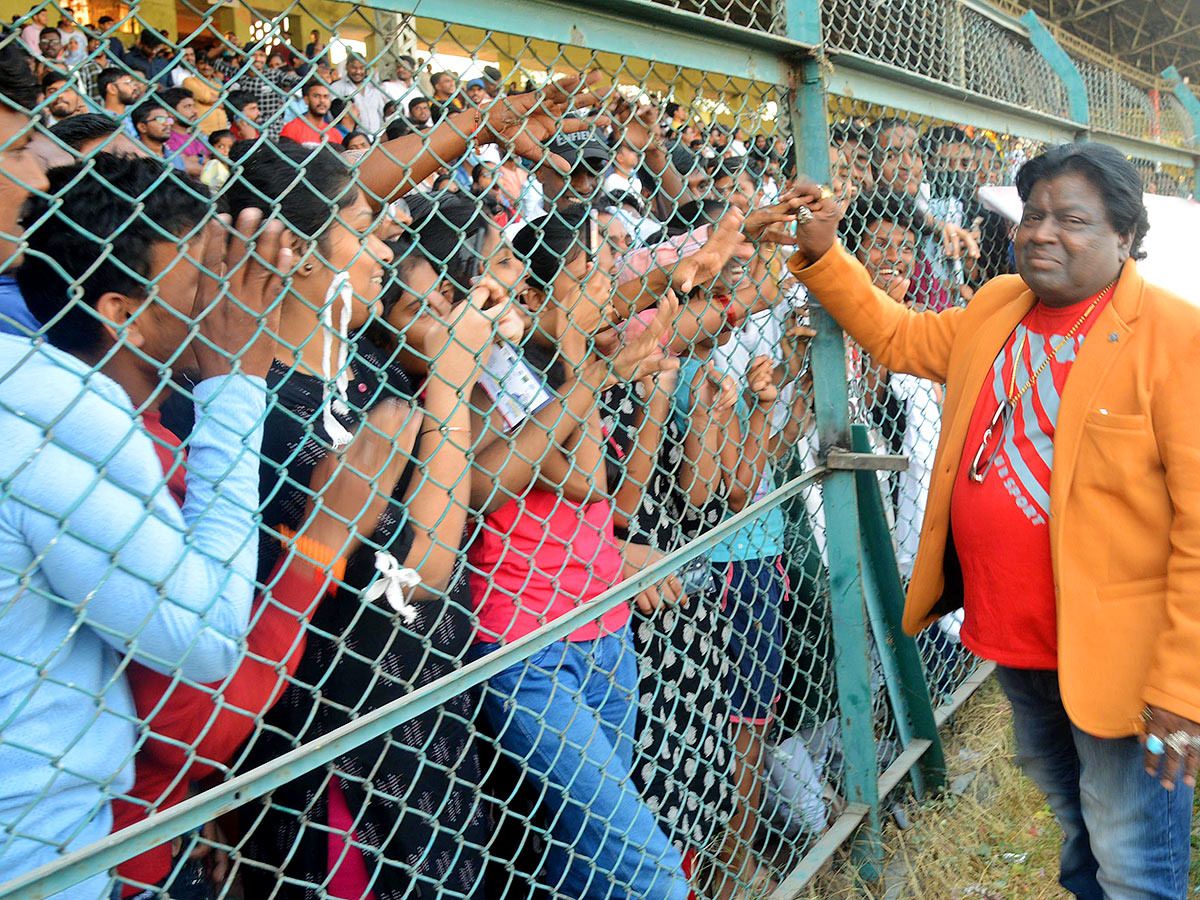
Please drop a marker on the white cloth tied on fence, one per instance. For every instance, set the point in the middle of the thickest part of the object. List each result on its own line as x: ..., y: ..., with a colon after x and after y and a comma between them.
x: 392, y: 581
x: 337, y: 403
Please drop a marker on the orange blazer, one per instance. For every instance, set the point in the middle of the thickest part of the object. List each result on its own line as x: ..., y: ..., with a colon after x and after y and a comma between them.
x: 1124, y: 492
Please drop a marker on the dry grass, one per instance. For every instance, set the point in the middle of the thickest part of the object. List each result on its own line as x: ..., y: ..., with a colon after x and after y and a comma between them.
x: 995, y: 841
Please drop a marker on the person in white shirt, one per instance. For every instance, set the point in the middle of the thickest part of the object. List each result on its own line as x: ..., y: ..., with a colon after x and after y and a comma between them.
x: 182, y: 69
x: 737, y: 146
x: 623, y: 178
x: 401, y: 87
x: 368, y: 99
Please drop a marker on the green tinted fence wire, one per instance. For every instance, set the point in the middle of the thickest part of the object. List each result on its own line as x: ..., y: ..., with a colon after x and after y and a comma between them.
x: 229, y: 795
x: 902, y: 94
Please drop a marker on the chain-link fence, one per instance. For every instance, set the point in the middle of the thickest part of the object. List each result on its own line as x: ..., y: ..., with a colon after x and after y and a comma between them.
x: 423, y: 476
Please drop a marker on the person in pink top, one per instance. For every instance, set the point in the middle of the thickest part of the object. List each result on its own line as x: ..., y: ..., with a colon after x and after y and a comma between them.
x: 547, y: 546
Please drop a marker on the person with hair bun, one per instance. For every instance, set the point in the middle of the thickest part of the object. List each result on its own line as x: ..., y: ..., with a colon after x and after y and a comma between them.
x: 1063, y: 513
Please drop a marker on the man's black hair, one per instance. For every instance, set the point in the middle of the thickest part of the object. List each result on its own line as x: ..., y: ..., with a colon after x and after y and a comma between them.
x: 415, y: 102
x: 396, y: 128
x: 239, y: 100
x: 76, y: 131
x: 308, y: 186
x: 1113, y: 176
x: 107, y: 77
x: 18, y: 85
x: 942, y: 135
x: 52, y: 77
x: 150, y: 39
x: 96, y: 227
x: 881, y: 205
x: 172, y: 97
x: 731, y: 168
x: 142, y: 111
x: 671, y: 109
x: 851, y: 132
x: 309, y: 84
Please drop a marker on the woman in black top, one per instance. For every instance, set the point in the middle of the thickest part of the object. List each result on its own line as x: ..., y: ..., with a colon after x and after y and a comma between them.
x: 407, y: 801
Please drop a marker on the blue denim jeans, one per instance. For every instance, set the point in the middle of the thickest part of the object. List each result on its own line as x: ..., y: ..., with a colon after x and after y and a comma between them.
x: 1124, y: 836
x: 567, y: 717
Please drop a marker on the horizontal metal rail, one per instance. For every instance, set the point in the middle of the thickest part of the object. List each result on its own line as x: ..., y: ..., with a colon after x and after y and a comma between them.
x: 194, y: 812
x: 638, y: 28
x: 822, y: 851
x: 858, y: 77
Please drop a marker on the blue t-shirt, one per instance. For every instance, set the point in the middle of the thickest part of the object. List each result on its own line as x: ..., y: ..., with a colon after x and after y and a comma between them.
x: 764, y: 537
x: 15, y: 317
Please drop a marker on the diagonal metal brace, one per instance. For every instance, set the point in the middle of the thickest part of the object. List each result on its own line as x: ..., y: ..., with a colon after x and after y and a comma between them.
x: 847, y: 460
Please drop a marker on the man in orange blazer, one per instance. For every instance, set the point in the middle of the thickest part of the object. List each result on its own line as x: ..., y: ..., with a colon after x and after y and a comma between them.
x: 1064, y: 508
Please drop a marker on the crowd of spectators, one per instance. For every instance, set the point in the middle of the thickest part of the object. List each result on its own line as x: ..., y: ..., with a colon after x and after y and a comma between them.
x: 471, y: 360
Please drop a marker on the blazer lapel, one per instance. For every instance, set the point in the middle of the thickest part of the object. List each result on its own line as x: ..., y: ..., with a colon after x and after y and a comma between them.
x: 988, y: 341
x: 1105, y: 340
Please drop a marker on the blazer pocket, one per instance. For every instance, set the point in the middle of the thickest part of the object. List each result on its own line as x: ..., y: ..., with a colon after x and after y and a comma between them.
x: 1120, y: 421
x: 1155, y: 586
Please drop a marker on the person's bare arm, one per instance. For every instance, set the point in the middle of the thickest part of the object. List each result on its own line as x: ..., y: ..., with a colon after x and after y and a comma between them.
x: 712, y: 443
x: 650, y: 418
x: 522, y: 123
x: 754, y: 454
x: 702, y: 266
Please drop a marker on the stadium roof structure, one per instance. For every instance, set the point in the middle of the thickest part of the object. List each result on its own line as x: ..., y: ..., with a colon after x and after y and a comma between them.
x: 1147, y: 35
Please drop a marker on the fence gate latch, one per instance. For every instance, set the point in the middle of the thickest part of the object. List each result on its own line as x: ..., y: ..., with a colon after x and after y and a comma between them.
x: 839, y: 459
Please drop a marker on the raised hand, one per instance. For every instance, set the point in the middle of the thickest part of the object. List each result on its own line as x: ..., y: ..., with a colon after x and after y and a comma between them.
x: 769, y: 223
x: 715, y: 392
x: 958, y: 241
x: 526, y: 122
x: 351, y: 487
x: 706, y: 263
x: 815, y: 236
x: 645, y: 355
x: 472, y: 327
x: 238, y: 297
x: 760, y: 381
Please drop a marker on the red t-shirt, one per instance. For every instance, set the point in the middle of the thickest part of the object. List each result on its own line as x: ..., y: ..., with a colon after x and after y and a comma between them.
x: 190, y: 732
x: 1000, y: 527
x: 539, y: 557
x: 301, y: 131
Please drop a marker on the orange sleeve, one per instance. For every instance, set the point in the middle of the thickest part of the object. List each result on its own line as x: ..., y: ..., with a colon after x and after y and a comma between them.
x: 894, y: 335
x: 1173, y: 682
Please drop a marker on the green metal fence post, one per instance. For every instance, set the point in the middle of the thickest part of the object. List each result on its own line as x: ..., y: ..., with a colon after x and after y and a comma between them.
x: 1189, y: 102
x: 1062, y: 64
x: 903, y: 670
x: 809, y: 113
